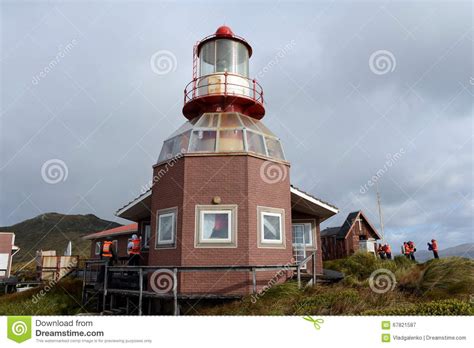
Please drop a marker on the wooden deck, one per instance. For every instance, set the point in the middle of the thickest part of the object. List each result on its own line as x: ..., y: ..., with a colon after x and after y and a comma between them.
x: 106, y: 282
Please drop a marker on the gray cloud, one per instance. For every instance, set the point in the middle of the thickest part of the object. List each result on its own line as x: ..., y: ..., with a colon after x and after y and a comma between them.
x: 102, y: 110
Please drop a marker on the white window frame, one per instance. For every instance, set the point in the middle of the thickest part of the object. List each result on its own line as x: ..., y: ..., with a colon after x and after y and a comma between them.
x: 229, y: 226
x: 98, y: 244
x: 262, y: 228
x: 270, y: 243
x: 159, y: 243
x: 230, y: 241
x: 305, y: 224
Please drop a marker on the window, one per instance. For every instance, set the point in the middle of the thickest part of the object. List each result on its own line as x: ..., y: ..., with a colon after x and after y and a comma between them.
x: 166, y: 227
x: 271, y: 227
x: 231, y: 140
x: 203, y: 141
x: 274, y: 148
x: 115, y: 245
x: 305, y: 229
x: 98, y: 246
x: 146, y: 234
x: 216, y: 226
x: 271, y: 224
x: 255, y: 143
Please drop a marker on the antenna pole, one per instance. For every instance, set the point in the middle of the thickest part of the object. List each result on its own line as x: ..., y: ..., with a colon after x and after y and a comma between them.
x: 380, y: 212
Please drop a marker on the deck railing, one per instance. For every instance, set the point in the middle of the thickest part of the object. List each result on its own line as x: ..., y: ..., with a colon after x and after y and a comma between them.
x: 104, y: 277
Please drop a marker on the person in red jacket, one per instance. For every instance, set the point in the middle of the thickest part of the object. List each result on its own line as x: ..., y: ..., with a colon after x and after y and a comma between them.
x: 134, y: 250
x: 434, y: 248
x: 412, y: 249
x: 388, y: 251
x: 406, y: 250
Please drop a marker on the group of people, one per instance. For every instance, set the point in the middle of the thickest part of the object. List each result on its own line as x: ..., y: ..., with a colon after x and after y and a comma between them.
x: 384, y: 252
x: 408, y: 249
x: 109, y: 253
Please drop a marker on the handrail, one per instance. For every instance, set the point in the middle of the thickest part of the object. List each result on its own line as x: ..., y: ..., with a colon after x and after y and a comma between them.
x: 302, y: 263
x: 254, y: 90
x: 142, y: 270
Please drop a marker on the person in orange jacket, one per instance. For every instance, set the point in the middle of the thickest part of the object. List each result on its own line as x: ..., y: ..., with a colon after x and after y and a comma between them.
x: 406, y: 249
x: 434, y: 248
x: 412, y: 249
x: 388, y: 251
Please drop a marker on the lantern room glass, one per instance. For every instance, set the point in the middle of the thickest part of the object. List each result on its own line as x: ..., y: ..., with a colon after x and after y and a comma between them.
x: 223, y: 132
x: 224, y: 55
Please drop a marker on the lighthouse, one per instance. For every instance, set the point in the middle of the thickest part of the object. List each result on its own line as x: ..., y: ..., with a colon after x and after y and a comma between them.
x: 221, y: 214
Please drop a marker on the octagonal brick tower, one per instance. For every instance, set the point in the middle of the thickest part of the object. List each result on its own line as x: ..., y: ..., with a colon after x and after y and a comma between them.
x: 214, y: 200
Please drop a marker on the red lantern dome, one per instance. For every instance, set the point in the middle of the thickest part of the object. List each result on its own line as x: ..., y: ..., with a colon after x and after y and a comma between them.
x: 221, y: 78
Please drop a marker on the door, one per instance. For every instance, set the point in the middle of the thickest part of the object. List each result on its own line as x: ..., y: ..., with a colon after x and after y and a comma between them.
x: 299, y: 243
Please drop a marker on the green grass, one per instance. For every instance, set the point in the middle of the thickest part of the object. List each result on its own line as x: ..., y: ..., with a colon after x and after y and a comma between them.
x: 63, y: 299
x: 438, y: 287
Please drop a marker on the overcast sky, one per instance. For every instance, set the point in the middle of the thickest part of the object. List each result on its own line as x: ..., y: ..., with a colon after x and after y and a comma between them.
x: 353, y: 89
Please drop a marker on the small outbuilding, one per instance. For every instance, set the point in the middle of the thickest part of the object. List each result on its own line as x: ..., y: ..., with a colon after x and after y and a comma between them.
x: 7, y: 250
x: 355, y: 234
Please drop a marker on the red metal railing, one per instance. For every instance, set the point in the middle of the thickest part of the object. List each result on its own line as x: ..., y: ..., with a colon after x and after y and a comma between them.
x: 232, y: 85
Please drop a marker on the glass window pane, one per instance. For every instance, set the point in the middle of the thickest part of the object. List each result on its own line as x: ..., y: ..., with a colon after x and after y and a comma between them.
x: 215, y: 226
x: 249, y: 123
x: 207, y: 57
x: 203, y: 141
x: 271, y: 227
x: 224, y: 56
x: 263, y: 128
x: 165, y: 229
x: 230, y: 120
x: 274, y: 148
x: 255, y: 143
x: 242, y: 60
x: 147, y: 234
x: 167, y: 150
x: 307, y: 234
x: 231, y: 140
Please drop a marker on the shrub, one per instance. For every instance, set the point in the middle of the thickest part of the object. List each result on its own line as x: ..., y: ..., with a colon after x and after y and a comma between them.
x: 336, y: 302
x: 447, y: 277
x: 443, y: 307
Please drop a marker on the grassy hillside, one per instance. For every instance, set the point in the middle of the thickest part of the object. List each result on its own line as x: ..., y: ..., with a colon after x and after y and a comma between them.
x: 52, y: 231
x: 63, y: 299
x: 438, y: 287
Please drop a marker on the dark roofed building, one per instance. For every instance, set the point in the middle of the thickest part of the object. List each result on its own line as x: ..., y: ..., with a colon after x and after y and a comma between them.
x: 355, y: 234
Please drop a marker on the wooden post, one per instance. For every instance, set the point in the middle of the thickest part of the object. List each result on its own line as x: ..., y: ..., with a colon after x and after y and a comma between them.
x: 140, y: 295
x: 314, y: 268
x: 254, y: 280
x: 298, y: 272
x: 104, y: 299
x: 175, y: 291
x: 84, y: 285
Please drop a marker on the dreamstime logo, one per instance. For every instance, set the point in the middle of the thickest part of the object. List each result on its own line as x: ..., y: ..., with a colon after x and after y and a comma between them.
x: 382, y: 280
x: 382, y: 62
x: 163, y: 62
x: 280, y: 55
x: 271, y: 172
x: 391, y: 160
x: 63, y: 52
x: 54, y: 171
x: 162, y: 281
x: 19, y: 328
x: 471, y: 81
